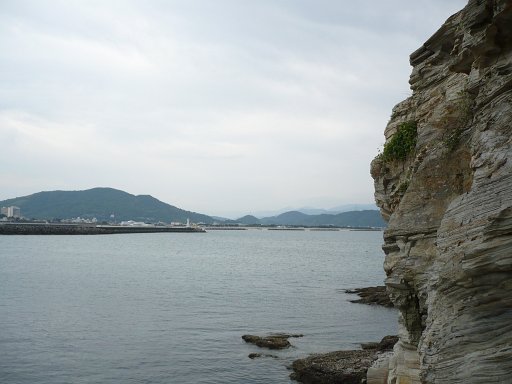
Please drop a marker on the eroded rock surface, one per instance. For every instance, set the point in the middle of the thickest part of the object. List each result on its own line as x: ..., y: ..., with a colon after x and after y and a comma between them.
x: 345, y: 367
x: 335, y: 367
x: 448, y: 244
x: 371, y: 295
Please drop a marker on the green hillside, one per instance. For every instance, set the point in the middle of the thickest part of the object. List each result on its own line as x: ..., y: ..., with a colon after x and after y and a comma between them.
x: 247, y: 220
x: 101, y: 203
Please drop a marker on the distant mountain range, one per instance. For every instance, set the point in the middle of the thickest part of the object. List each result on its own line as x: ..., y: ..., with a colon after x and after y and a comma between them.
x: 318, y: 211
x: 101, y: 203
x: 366, y: 218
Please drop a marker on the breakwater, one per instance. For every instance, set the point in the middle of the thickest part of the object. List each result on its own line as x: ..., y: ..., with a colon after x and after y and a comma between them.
x: 84, y: 229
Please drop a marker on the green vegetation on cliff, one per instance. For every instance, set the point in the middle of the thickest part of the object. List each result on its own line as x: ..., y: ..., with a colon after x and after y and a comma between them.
x: 401, y: 143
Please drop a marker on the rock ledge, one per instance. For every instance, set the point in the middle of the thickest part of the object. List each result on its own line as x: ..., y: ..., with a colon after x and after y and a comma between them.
x: 371, y: 295
x: 348, y: 367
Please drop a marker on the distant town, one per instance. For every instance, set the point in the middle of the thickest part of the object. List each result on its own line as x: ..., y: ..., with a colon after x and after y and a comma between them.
x: 12, y: 212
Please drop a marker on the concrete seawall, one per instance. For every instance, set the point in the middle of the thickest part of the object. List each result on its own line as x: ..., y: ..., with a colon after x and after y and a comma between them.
x: 84, y: 229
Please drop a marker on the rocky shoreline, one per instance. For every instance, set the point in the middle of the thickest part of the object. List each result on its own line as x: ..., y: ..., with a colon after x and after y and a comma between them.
x: 349, y: 366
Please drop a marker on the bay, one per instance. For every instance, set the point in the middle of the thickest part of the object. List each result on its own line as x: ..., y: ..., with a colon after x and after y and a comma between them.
x: 172, y: 307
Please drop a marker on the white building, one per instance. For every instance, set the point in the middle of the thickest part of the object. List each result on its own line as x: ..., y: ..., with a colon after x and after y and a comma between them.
x: 11, y: 211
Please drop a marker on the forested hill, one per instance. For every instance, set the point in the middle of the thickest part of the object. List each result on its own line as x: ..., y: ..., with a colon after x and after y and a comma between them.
x: 101, y: 203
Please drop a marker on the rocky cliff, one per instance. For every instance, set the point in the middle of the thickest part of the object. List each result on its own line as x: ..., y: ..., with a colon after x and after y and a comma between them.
x: 444, y: 183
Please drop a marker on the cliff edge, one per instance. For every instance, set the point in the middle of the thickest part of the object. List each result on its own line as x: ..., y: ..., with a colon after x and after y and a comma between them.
x: 444, y: 183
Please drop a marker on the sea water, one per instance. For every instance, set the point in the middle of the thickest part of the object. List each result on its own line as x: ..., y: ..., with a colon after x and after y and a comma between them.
x: 172, y: 307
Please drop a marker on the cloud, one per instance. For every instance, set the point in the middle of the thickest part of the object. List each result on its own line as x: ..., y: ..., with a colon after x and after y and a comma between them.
x: 260, y: 104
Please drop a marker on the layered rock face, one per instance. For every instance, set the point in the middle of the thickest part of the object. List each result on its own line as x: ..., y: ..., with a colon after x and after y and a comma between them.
x: 448, y: 245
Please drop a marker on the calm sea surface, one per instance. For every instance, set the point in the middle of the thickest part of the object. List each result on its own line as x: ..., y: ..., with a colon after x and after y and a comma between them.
x: 172, y: 307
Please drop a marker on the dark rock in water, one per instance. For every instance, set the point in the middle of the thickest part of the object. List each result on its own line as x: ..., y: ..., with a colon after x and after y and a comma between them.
x: 271, y: 342
x: 371, y: 295
x: 256, y: 355
x: 275, y: 341
x: 348, y: 367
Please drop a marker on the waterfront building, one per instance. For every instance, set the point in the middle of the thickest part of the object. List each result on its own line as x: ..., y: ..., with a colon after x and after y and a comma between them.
x: 11, y: 211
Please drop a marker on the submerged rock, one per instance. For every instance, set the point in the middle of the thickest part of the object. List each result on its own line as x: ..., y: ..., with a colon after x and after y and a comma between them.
x: 371, y: 295
x: 274, y: 341
x: 257, y: 355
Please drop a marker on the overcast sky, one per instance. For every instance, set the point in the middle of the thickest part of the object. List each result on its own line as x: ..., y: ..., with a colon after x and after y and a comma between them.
x: 224, y: 107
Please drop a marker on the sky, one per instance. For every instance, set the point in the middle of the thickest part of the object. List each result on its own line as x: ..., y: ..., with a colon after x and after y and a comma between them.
x: 223, y: 107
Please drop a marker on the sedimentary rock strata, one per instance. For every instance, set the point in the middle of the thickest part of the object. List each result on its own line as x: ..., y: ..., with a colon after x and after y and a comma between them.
x: 448, y: 244
x: 371, y: 295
